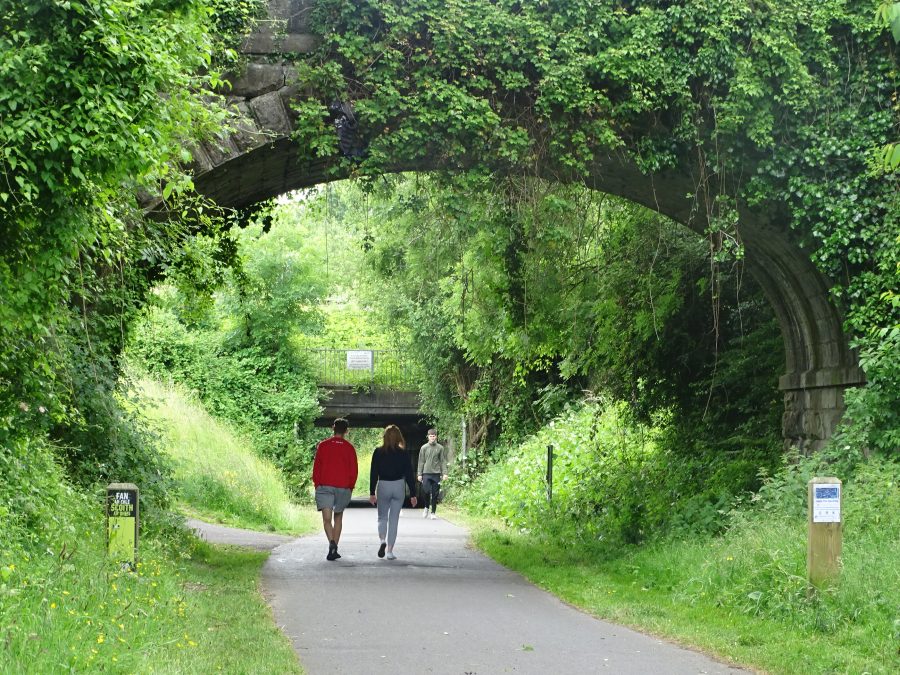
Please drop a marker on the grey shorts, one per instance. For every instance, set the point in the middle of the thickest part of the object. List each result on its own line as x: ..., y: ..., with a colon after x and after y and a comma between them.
x: 333, y: 498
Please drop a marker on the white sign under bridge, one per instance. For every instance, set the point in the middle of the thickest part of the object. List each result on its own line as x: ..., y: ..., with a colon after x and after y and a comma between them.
x: 360, y: 359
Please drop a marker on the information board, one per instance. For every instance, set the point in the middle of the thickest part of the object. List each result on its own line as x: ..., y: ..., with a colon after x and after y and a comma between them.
x: 827, y: 503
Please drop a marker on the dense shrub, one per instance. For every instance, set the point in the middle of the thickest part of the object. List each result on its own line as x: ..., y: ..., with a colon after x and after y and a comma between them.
x: 37, y: 503
x: 872, y: 421
x: 612, y: 480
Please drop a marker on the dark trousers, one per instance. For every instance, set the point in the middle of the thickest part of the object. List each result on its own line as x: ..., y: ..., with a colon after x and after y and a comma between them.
x: 431, y: 485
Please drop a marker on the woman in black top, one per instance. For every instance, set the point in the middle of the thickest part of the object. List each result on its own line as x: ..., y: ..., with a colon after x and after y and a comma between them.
x: 391, y: 467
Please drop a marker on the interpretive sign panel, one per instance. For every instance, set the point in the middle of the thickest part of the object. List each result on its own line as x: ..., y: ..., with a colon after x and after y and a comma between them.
x: 823, y: 557
x: 827, y: 503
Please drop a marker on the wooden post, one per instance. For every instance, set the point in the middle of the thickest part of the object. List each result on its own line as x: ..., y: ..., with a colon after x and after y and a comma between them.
x: 549, y: 473
x: 122, y: 523
x: 823, y: 559
x: 463, y: 443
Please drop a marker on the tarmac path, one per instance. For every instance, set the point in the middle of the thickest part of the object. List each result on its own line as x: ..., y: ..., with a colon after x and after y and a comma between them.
x: 441, y: 607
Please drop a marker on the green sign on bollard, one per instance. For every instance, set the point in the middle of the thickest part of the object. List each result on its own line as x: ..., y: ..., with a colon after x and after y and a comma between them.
x: 122, y: 522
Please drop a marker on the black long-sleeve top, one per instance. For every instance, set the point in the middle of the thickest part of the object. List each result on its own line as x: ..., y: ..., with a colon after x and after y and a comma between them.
x: 391, y: 465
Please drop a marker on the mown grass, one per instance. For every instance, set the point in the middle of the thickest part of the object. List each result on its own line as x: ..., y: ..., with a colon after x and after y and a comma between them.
x: 219, y: 478
x: 719, y: 594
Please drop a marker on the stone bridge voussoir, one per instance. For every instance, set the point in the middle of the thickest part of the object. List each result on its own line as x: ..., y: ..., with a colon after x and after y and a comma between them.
x: 270, y: 113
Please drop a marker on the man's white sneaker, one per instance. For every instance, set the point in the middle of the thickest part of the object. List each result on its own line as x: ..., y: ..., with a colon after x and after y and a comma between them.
x: 425, y: 512
x: 433, y: 517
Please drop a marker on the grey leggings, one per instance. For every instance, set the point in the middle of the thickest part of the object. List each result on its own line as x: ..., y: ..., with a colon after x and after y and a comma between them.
x: 391, y: 494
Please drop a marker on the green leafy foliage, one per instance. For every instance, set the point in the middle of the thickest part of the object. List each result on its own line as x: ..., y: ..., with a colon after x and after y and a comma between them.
x: 513, y: 296
x: 873, y: 412
x: 613, y: 481
x: 97, y: 100
x: 236, y: 352
x: 267, y: 396
x: 778, y: 105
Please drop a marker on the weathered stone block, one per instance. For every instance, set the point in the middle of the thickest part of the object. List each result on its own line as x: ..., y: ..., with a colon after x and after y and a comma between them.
x: 288, y: 94
x: 257, y: 79
x: 301, y: 16
x: 829, y: 398
x: 246, y: 134
x: 201, y: 161
x: 220, y: 150
x: 270, y: 113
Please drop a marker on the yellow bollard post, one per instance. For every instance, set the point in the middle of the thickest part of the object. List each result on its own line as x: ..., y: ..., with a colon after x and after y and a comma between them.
x: 823, y: 559
x: 122, y: 523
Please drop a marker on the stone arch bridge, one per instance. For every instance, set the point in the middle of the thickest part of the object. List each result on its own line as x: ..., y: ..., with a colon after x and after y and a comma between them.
x: 258, y: 160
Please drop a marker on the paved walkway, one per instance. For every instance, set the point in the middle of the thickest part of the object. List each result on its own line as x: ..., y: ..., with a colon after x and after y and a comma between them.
x: 443, y: 608
x: 220, y: 534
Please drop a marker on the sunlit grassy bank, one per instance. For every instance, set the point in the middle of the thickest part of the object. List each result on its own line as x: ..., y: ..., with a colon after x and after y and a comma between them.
x: 219, y: 477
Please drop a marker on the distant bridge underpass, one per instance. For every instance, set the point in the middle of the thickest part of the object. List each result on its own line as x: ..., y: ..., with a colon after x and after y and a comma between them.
x: 370, y: 387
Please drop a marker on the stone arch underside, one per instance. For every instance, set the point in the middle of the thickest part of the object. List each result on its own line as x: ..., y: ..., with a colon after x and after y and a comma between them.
x: 258, y: 160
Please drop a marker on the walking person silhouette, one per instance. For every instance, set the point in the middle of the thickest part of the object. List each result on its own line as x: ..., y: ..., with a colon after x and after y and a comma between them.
x: 334, y: 475
x: 391, y: 468
x: 432, y: 469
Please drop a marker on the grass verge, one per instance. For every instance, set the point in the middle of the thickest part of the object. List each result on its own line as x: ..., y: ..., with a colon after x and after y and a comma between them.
x: 222, y: 596
x: 190, y: 608
x: 655, y: 589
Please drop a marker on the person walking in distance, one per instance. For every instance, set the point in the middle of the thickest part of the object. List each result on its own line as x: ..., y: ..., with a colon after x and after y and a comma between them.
x: 334, y: 475
x: 391, y: 468
x: 432, y: 469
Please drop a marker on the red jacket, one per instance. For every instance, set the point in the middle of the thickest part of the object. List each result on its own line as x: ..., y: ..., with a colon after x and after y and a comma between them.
x: 335, y: 463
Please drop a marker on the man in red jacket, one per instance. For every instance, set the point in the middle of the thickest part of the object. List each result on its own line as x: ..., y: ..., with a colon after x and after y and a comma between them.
x: 334, y: 475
